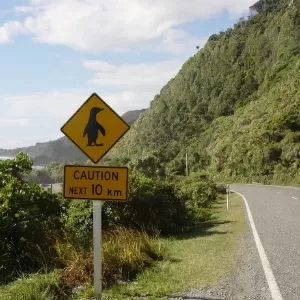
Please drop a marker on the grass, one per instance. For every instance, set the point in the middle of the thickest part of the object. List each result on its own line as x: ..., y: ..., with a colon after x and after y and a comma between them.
x: 35, y: 287
x: 198, y: 259
x: 125, y: 253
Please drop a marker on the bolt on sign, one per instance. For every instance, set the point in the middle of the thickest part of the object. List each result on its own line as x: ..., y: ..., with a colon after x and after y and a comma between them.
x: 95, y: 183
x: 95, y: 128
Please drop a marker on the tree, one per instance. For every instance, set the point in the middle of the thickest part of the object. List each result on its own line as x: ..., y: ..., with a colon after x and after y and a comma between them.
x: 28, y: 218
x: 149, y: 165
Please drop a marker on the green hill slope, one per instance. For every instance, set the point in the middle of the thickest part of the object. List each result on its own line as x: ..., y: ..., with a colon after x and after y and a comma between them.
x: 234, y: 106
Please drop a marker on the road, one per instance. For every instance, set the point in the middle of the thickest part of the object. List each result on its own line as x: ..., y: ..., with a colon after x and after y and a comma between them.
x: 273, y: 271
x: 56, y: 187
x: 276, y: 217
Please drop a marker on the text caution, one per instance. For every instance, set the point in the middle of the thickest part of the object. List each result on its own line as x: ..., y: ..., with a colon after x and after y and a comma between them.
x: 96, y: 183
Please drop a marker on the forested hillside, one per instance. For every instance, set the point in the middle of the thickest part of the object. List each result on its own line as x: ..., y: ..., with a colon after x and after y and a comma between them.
x: 234, y: 106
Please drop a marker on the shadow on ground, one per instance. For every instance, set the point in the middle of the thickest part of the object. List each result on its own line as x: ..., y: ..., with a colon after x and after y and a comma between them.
x: 193, y: 297
x: 178, y: 297
x: 204, y: 229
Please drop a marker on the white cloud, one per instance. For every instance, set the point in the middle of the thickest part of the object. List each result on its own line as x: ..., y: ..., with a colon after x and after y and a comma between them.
x: 118, y: 25
x: 38, y: 117
x: 134, y: 87
x: 99, y: 66
x: 9, y: 30
x: 55, y: 107
x: 14, y: 122
x: 133, y: 78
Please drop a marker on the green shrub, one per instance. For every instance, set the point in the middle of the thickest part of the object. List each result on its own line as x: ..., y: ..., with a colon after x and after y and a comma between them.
x: 29, y: 216
x: 221, y: 189
x: 148, y: 165
x: 152, y: 204
x: 200, y: 193
x: 55, y: 171
x: 39, y: 176
x: 78, y: 221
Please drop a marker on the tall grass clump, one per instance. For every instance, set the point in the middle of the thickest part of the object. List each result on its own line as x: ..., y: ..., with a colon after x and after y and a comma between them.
x: 125, y: 253
x: 35, y: 287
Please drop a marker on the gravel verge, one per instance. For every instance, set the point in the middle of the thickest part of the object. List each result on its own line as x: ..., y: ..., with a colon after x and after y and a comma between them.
x: 247, y: 283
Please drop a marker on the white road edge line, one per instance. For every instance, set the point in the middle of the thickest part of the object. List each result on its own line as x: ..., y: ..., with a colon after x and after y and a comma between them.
x: 275, y: 292
x: 270, y: 185
x: 295, y: 198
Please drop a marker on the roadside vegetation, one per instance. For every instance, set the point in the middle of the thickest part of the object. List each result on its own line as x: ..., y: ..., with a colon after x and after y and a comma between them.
x: 198, y: 258
x: 46, y: 241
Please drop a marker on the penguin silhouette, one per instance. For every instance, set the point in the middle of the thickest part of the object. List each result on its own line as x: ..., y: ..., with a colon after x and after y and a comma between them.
x: 92, y: 128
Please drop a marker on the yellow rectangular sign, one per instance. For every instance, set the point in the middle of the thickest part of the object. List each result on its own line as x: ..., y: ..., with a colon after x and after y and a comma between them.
x: 96, y: 183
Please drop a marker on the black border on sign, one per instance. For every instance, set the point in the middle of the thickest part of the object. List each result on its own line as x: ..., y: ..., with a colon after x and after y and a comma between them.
x: 96, y: 167
x: 62, y: 128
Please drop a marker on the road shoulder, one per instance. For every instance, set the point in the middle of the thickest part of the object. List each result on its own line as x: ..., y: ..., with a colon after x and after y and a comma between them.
x: 246, y: 281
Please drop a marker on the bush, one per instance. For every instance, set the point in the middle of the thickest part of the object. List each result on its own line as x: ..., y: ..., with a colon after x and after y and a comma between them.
x: 200, y: 193
x: 221, y: 189
x: 39, y: 177
x: 152, y: 205
x: 148, y: 165
x: 78, y: 221
x: 28, y: 217
x: 55, y: 171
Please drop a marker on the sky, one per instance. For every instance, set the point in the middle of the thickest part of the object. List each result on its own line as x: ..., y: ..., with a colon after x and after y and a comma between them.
x: 55, y: 53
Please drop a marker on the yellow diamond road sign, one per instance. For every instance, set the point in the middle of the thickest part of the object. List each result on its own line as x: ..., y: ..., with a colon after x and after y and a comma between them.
x: 95, y: 128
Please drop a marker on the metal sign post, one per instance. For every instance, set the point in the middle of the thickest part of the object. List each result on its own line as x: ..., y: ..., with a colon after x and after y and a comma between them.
x: 95, y: 128
x: 97, y: 239
x: 227, y: 192
x: 227, y: 200
x: 186, y: 164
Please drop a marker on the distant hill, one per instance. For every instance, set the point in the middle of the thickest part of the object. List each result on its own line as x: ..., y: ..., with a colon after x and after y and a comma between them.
x: 131, y: 116
x: 62, y: 149
x: 234, y: 106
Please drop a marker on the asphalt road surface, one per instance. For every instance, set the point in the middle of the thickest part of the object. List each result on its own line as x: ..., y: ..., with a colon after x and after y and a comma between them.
x: 276, y: 217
